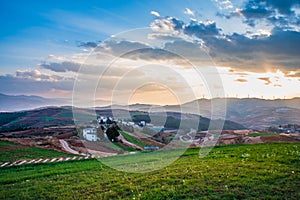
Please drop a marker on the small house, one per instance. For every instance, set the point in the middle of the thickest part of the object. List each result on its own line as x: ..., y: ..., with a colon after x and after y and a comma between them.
x: 90, y: 134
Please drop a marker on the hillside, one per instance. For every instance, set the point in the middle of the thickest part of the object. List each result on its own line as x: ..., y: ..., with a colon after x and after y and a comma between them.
x: 262, y: 171
x: 250, y: 112
x: 63, y: 116
x: 38, y: 118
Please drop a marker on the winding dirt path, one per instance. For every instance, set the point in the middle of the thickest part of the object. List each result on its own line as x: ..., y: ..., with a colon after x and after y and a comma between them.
x: 121, y: 137
x: 67, y: 148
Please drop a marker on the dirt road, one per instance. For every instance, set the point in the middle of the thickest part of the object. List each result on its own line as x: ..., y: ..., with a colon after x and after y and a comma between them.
x: 67, y: 148
x: 121, y: 137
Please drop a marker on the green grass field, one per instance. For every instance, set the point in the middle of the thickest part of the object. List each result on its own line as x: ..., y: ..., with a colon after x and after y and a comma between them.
x: 27, y: 153
x: 129, y: 138
x: 46, y: 119
x: 262, y: 134
x: 5, y: 144
x: 262, y: 171
x: 133, y: 140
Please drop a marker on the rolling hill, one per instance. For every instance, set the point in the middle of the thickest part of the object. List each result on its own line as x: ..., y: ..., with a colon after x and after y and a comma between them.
x: 254, y: 113
x: 63, y: 116
x: 250, y: 112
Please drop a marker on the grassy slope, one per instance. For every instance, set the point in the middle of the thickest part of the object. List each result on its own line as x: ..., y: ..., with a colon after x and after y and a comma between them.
x: 27, y: 153
x: 30, y: 153
x: 239, y: 171
x: 262, y: 134
x: 6, y: 144
x: 133, y: 140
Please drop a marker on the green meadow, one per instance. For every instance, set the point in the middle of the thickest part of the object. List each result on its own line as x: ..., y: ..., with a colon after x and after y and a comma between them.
x: 19, y: 152
x: 262, y: 171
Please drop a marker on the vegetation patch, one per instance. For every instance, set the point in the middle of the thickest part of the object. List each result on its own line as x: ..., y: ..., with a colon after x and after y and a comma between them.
x: 262, y: 134
x: 27, y: 153
x: 133, y: 140
x: 46, y: 119
x: 7, y: 144
x: 262, y: 171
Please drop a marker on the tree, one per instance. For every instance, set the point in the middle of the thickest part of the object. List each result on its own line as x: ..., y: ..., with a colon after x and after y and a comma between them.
x: 108, y: 121
x: 112, y: 133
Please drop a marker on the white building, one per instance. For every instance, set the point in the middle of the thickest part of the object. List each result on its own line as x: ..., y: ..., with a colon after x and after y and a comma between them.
x: 142, y: 123
x: 90, y: 134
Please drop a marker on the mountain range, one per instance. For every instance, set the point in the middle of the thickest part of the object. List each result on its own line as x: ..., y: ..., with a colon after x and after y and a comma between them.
x: 64, y: 116
x: 11, y: 103
x: 252, y: 113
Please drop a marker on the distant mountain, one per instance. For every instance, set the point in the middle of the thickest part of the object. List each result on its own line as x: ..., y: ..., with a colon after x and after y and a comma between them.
x: 258, y: 113
x: 251, y: 112
x: 10, y: 103
x: 63, y: 116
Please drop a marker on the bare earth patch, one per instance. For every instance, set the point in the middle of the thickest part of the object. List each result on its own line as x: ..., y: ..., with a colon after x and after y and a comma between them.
x: 13, y: 147
x: 279, y: 138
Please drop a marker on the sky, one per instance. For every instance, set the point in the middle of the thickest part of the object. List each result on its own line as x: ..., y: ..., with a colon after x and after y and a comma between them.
x: 161, y: 52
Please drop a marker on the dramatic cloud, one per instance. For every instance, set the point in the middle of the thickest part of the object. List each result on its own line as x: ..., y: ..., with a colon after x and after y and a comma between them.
x: 196, y: 42
x: 201, y: 30
x: 36, y: 75
x: 293, y: 74
x: 279, y: 51
x: 194, y: 28
x: 163, y: 36
x: 224, y: 4
x: 266, y: 80
x: 283, y: 6
x: 61, y: 67
x: 256, y: 10
x: 118, y: 48
x: 277, y: 12
x: 32, y: 82
x: 87, y: 44
x: 253, y: 13
x: 252, y: 51
x: 167, y: 24
x: 279, y: 42
x: 190, y: 51
x: 151, y: 54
